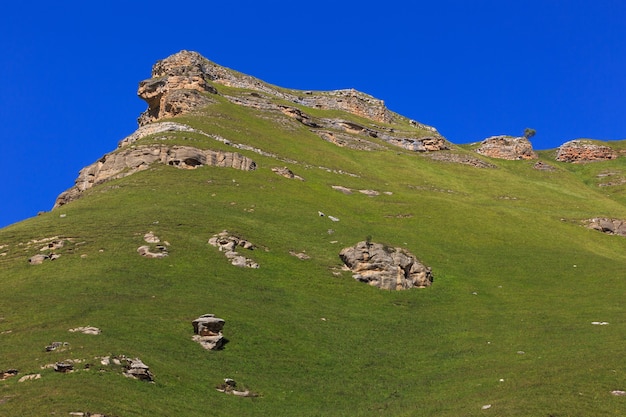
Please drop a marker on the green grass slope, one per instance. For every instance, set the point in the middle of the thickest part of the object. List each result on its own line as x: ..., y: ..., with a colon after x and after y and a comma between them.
x: 506, y: 323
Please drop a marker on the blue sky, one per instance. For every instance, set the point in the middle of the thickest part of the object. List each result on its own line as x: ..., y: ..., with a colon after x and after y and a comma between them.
x: 69, y: 70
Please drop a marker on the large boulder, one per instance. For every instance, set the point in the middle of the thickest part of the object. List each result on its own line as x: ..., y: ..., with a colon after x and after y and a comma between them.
x: 507, y: 147
x: 580, y: 151
x: 385, y: 267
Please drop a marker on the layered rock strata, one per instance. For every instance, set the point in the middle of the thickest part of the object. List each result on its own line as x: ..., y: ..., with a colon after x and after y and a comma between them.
x: 130, y: 160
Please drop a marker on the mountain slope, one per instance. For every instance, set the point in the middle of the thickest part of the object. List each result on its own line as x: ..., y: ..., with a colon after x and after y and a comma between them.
x: 506, y: 323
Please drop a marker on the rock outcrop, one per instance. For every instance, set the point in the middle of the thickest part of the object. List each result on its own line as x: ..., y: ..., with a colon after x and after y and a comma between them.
x: 154, y: 128
x: 507, y: 147
x: 129, y: 160
x: 228, y: 244
x: 208, y: 331
x: 155, y: 249
x: 178, y: 85
x: 608, y: 226
x: 287, y: 173
x: 229, y: 386
x: 580, y: 151
x: 197, y: 77
x: 385, y: 267
x: 136, y: 369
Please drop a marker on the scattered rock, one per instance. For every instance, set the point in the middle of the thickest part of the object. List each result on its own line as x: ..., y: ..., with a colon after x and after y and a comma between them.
x: 486, y: 407
x: 385, y: 267
x: 136, y: 369
x: 147, y: 253
x: 229, y: 386
x: 542, y: 166
x: 56, y: 346
x: 228, y: 243
x: 581, y: 151
x: 8, y: 374
x: 208, y: 331
x: 64, y: 367
x: 300, y: 255
x: 86, y: 330
x: 287, y: 173
x: 371, y: 193
x: 618, y: 393
x: 342, y: 189
x: 54, y: 245
x: 608, y: 226
x: 599, y: 323
x: 151, y: 238
x: 507, y: 147
x: 30, y: 377
x: 459, y: 159
x: 37, y: 259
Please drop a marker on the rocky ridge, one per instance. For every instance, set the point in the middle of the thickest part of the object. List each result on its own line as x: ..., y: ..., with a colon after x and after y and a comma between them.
x: 186, y: 82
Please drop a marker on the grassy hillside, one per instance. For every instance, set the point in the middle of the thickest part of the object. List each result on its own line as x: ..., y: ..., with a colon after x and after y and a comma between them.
x: 506, y: 323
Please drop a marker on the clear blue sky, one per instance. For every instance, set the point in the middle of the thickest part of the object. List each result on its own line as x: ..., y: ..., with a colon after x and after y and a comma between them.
x: 69, y: 70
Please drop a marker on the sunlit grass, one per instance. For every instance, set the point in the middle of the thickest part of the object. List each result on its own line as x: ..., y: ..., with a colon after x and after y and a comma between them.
x: 507, y: 322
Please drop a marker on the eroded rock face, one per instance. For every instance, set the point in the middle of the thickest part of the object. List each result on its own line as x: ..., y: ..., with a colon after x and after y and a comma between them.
x: 127, y: 161
x: 178, y: 85
x: 580, y: 151
x: 385, y: 267
x: 507, y: 147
